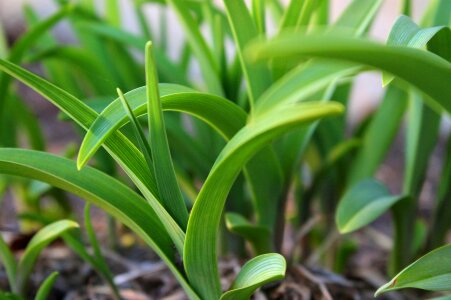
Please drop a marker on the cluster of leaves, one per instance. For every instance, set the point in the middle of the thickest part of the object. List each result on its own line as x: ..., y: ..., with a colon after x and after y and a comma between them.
x: 261, y: 114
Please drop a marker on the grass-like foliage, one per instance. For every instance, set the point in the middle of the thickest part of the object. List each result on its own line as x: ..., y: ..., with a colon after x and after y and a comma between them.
x: 232, y: 146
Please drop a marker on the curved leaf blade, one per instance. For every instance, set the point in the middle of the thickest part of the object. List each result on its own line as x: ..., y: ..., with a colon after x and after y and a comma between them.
x: 258, y: 236
x: 39, y: 241
x: 223, y: 115
x: 46, y: 287
x: 168, y: 188
x: 200, y: 243
x: 362, y: 204
x: 431, y: 272
x: 255, y: 273
x: 427, y: 72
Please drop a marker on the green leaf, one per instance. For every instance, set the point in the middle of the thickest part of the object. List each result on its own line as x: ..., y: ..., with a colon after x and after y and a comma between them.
x: 128, y: 156
x: 46, y: 287
x: 101, y: 190
x: 244, y: 30
x: 431, y: 272
x: 406, y: 33
x: 8, y: 261
x: 39, y: 241
x: 139, y: 133
x: 200, y: 243
x: 427, y: 72
x: 258, y: 236
x: 223, y: 115
x: 362, y: 204
x: 256, y: 273
x: 162, y: 162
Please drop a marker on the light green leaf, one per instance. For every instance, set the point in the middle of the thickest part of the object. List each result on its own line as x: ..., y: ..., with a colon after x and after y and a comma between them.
x: 362, y: 204
x: 39, y: 241
x: 46, y: 287
x: 427, y: 72
x: 258, y: 236
x: 431, y: 272
x: 256, y: 273
x: 200, y: 243
x: 168, y: 188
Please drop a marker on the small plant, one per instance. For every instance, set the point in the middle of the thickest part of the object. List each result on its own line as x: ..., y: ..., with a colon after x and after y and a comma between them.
x: 19, y: 272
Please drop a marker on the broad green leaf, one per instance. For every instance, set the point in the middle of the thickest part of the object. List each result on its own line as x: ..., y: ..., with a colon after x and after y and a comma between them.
x: 199, y: 46
x: 8, y: 261
x: 244, y: 30
x: 46, y: 287
x: 362, y: 204
x: 200, y: 243
x: 39, y: 241
x: 431, y: 272
x: 255, y: 273
x: 168, y: 188
x: 258, y: 236
x: 427, y: 72
x: 101, y: 190
x: 221, y: 114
